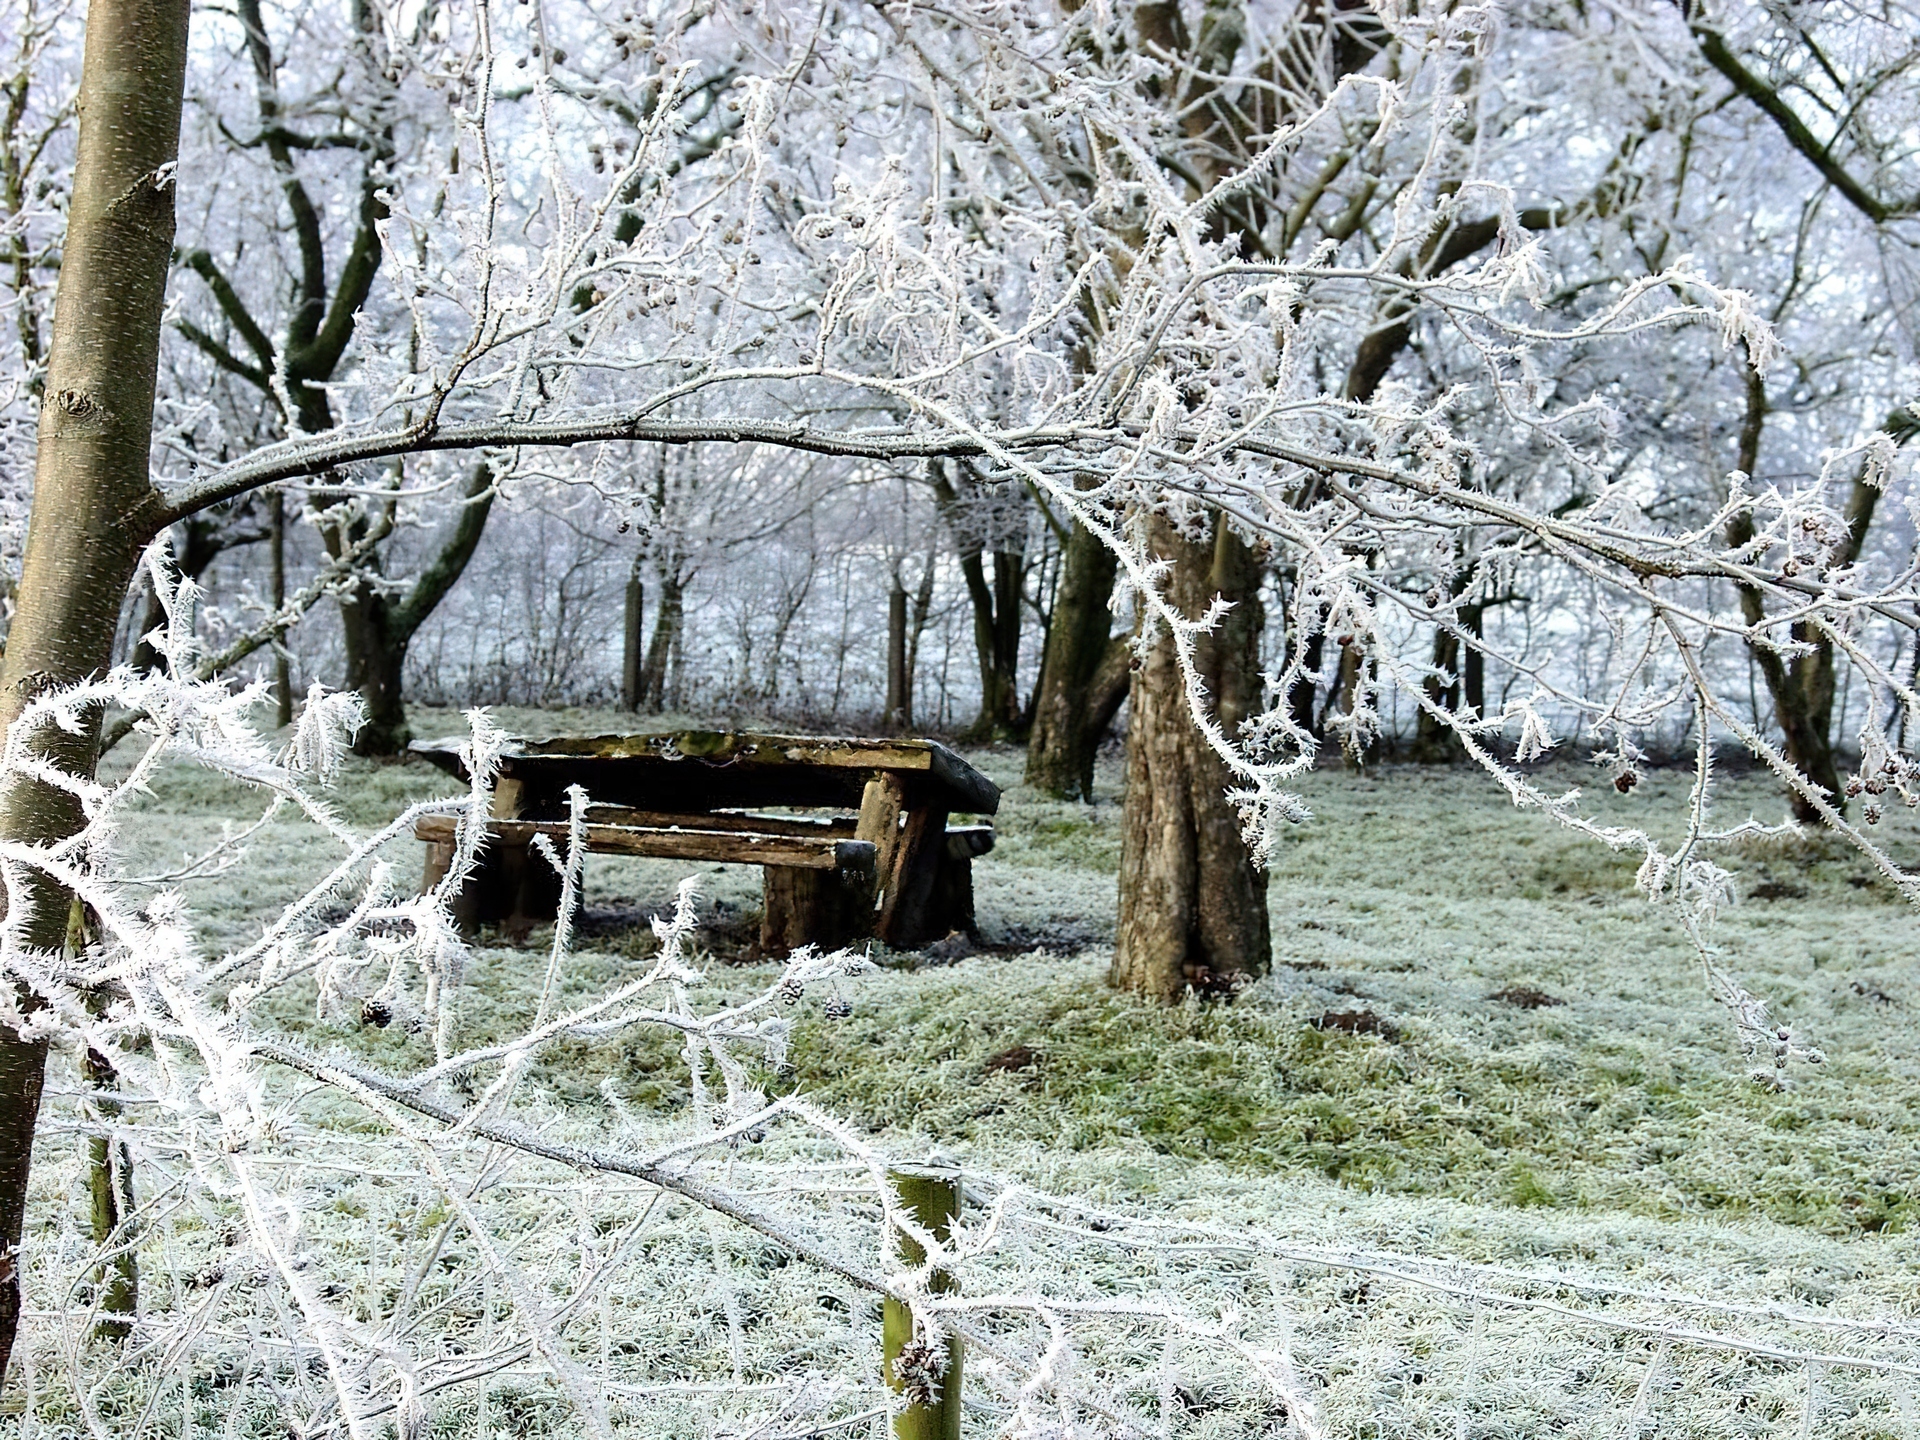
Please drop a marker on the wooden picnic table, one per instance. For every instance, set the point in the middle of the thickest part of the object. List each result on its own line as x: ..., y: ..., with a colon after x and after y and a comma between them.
x: 882, y: 861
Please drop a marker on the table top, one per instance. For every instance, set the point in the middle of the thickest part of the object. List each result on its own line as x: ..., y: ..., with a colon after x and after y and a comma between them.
x: 697, y: 770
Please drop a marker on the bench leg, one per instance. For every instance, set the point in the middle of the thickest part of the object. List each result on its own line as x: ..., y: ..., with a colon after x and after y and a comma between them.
x: 509, y: 886
x: 822, y: 908
x: 952, y: 904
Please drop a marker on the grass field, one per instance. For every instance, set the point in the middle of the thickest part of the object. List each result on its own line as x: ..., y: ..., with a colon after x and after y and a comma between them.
x: 1478, y: 1042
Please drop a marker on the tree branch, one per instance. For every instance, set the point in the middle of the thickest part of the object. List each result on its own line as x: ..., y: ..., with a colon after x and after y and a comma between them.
x: 1820, y: 156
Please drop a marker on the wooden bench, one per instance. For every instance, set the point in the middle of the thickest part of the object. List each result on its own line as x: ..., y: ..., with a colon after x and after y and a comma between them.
x: 815, y: 884
x: 895, y: 870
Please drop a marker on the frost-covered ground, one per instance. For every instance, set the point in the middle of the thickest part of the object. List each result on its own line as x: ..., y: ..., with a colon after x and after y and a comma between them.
x: 1479, y: 1044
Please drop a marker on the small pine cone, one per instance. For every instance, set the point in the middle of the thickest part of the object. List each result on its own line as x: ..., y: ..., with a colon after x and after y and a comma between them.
x: 791, y: 992
x: 376, y: 1013
x: 1873, y: 814
x: 838, y: 1009
x: 1854, y: 787
x: 1625, y: 781
x: 918, y: 1367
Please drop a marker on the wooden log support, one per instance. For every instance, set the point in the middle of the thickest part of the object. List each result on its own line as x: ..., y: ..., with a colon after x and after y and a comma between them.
x: 932, y: 1197
x: 950, y: 906
x: 823, y: 908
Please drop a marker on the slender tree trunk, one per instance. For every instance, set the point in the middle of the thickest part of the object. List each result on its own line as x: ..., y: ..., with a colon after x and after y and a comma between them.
x: 109, y: 1168
x: 660, y: 647
x: 1193, y: 909
x: 896, y: 656
x: 916, y: 627
x: 376, y: 630
x: 1802, y: 689
x: 1065, y: 736
x: 632, y: 639
x: 995, y: 603
x: 94, y: 507
x: 1434, y: 742
x: 1473, y: 664
x: 282, y: 670
x: 1300, y: 704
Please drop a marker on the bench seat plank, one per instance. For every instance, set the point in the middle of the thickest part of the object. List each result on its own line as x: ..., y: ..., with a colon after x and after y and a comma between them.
x: 800, y: 852
x: 802, y: 826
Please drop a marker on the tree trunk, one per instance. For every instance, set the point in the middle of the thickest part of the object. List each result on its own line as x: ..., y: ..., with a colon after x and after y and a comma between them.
x: 1803, y: 688
x: 896, y: 710
x: 660, y: 648
x: 94, y: 507
x: 996, y: 616
x: 1066, y: 729
x: 632, y: 636
x: 376, y: 656
x: 916, y: 627
x: 376, y: 630
x: 282, y: 670
x: 1193, y: 908
x: 1434, y: 742
x: 1473, y: 664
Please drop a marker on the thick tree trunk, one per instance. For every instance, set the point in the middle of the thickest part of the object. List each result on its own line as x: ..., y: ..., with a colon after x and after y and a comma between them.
x: 376, y: 656
x: 1067, y: 729
x: 1193, y: 908
x: 94, y: 507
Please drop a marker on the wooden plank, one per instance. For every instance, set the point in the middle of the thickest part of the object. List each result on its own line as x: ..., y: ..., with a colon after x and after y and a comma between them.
x: 803, y: 826
x: 811, y: 769
x: 723, y: 847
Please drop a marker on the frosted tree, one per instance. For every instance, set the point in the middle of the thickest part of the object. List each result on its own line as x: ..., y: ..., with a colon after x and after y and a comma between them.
x: 879, y: 259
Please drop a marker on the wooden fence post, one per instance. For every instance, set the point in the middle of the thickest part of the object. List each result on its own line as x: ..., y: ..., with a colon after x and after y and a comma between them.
x: 932, y: 1197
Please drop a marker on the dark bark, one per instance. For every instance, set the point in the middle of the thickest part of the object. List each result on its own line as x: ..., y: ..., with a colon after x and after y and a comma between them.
x: 94, y: 507
x: 663, y: 643
x: 198, y: 541
x: 916, y: 627
x: 282, y: 669
x: 1802, y: 688
x: 378, y: 627
x: 632, y: 640
x: 1434, y: 741
x: 1067, y: 730
x: 897, y: 705
x: 1193, y: 908
x: 109, y: 1169
x: 995, y: 604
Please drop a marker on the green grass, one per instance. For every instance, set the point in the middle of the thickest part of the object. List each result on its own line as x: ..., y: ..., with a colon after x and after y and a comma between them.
x: 1414, y: 895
